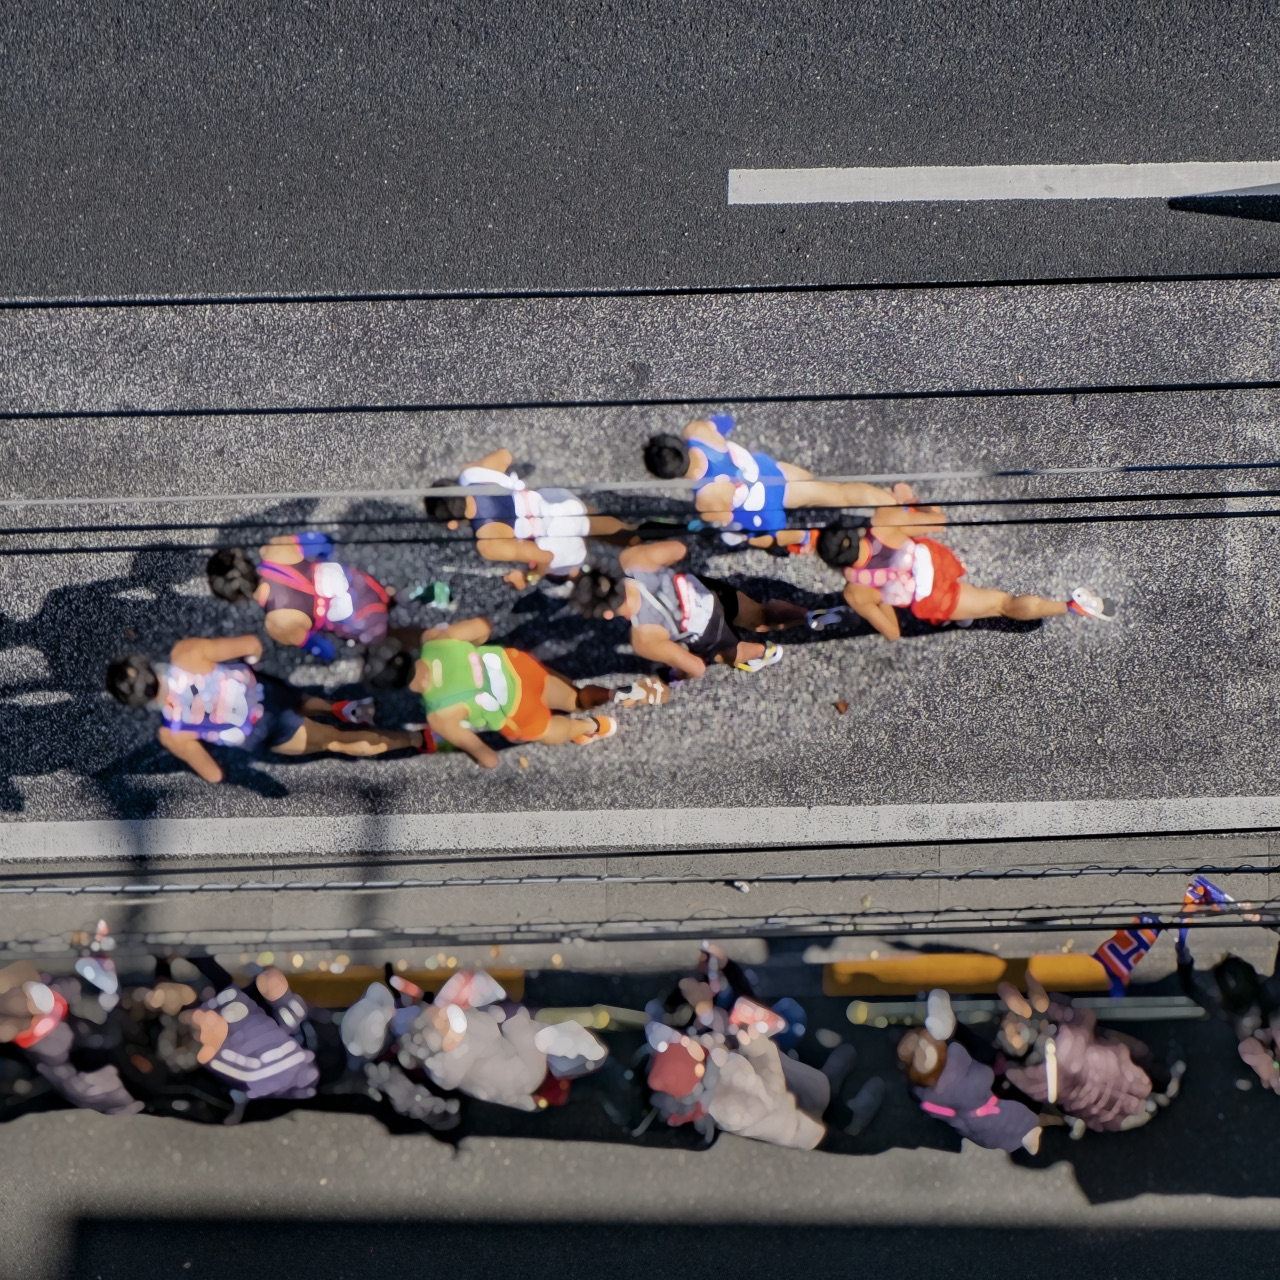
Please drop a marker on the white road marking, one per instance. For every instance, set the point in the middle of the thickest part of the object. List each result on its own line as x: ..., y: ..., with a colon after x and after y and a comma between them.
x: 629, y: 829
x: 1003, y: 182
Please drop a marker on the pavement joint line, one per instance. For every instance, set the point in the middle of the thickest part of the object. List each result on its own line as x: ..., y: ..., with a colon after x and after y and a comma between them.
x: 751, y: 879
x: 887, y: 924
x: 393, y: 521
x: 963, y: 183
x: 631, y: 830
x: 1127, y: 517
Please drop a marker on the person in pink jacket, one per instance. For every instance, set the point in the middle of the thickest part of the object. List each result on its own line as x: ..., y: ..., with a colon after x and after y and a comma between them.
x: 1091, y: 1075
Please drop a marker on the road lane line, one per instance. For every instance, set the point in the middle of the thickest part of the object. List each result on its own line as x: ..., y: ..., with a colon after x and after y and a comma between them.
x: 1003, y: 182
x: 630, y: 829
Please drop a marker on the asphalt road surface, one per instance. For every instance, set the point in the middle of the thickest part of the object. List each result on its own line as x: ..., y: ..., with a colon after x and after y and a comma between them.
x: 254, y: 149
x: 1174, y: 699
x: 242, y: 158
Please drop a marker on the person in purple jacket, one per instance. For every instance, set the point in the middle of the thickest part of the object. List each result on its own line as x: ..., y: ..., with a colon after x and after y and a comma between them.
x: 258, y: 1054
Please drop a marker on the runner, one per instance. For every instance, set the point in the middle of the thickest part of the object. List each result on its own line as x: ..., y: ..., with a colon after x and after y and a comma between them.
x: 749, y: 494
x: 469, y: 686
x: 893, y: 564
x: 208, y: 693
x: 543, y: 530
x: 682, y: 619
x: 308, y: 597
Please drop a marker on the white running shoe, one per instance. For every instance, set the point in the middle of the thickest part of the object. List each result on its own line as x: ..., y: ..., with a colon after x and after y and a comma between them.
x: 1091, y: 605
x: 355, y: 711
x: 772, y: 654
x: 645, y: 691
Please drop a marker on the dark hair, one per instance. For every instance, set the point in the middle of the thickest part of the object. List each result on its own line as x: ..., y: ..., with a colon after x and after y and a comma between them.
x: 232, y: 575
x: 594, y: 594
x: 839, y: 545
x: 133, y: 680
x: 1238, y: 984
x: 666, y: 457
x: 445, y: 509
x: 388, y: 665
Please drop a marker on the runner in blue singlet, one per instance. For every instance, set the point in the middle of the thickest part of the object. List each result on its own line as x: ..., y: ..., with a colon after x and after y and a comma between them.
x: 750, y: 494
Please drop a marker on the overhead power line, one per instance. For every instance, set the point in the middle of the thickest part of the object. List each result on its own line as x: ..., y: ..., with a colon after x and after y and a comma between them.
x: 415, y: 495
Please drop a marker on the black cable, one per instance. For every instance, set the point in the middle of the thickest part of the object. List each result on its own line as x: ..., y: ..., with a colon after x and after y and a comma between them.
x: 653, y: 402
x: 1206, y: 495
x: 1132, y: 518
x: 667, y: 486
x: 165, y: 302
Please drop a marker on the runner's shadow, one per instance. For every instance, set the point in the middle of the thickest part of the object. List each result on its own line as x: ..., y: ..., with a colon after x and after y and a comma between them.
x: 852, y: 626
x: 125, y: 781
x: 58, y: 715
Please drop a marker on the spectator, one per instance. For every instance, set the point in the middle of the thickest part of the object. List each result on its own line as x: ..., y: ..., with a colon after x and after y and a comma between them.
x: 726, y: 1072
x: 256, y: 1053
x: 1238, y: 993
x: 957, y: 1090
x: 1101, y: 1080
x: 465, y: 1040
x: 34, y: 1018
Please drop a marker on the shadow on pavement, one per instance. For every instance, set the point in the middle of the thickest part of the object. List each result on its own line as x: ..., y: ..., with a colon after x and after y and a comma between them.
x: 1260, y: 206
x: 264, y: 1249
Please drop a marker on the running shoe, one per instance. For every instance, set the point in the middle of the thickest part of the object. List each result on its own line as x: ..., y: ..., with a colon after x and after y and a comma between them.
x: 1091, y: 605
x: 645, y: 691
x: 772, y: 654
x: 821, y: 619
x: 354, y: 710
x: 606, y: 727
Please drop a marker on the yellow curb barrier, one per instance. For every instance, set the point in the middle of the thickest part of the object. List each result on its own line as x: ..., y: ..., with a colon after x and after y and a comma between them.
x: 962, y: 973
x: 342, y: 990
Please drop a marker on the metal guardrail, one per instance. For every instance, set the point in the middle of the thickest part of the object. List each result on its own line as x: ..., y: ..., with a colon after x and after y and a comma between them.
x: 884, y: 1013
